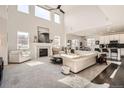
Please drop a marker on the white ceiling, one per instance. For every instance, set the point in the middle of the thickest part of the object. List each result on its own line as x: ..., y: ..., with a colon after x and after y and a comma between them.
x: 89, y: 20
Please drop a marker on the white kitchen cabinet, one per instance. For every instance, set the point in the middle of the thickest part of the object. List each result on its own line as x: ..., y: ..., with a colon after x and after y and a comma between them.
x: 122, y: 51
x: 121, y: 38
x: 102, y: 40
x: 116, y: 37
x: 106, y: 39
x: 111, y: 37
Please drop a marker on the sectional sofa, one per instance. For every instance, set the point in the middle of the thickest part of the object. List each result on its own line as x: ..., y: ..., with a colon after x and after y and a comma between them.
x: 80, y: 60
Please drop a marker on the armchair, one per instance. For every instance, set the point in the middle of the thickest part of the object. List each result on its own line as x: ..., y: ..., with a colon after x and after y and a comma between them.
x: 19, y: 56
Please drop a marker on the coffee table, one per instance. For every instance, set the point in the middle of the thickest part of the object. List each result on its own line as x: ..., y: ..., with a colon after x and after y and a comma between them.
x: 56, y: 59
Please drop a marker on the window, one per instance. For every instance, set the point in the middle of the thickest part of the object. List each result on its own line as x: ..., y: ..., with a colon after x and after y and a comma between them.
x: 90, y: 42
x: 56, y: 41
x: 57, y: 18
x: 23, y: 8
x: 75, y: 43
x: 42, y: 13
x: 22, y: 40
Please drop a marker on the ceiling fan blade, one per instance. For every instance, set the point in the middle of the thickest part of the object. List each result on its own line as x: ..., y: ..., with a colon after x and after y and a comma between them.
x: 53, y: 9
x: 58, y: 6
x: 61, y: 11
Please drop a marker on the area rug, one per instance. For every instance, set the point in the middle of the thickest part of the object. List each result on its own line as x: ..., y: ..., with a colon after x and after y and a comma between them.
x: 75, y: 81
x: 93, y: 85
x: 83, y: 79
x: 33, y: 63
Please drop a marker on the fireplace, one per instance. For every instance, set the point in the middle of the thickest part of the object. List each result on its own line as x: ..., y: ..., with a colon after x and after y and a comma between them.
x: 43, y: 52
x: 42, y: 49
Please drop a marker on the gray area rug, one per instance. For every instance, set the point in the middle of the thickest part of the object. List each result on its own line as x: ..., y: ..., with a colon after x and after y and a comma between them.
x: 75, y: 81
x: 34, y: 63
x: 79, y: 82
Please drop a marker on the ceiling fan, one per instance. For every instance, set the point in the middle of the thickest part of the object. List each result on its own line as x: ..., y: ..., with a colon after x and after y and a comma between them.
x: 58, y: 8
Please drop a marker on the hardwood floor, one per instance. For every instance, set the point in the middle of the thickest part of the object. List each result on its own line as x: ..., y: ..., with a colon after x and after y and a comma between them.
x: 117, y: 81
x: 104, y: 77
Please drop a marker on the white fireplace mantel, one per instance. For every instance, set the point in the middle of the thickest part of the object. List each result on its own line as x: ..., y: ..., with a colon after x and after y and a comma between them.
x: 37, y: 46
x: 42, y: 44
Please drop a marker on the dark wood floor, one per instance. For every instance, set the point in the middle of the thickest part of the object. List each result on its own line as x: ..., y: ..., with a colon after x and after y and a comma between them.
x: 117, y: 81
x: 104, y: 77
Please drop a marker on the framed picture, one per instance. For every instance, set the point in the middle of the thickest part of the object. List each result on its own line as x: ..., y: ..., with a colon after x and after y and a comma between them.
x: 43, y: 35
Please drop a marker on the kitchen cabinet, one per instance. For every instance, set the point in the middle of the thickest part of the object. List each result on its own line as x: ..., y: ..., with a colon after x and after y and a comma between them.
x: 111, y: 37
x: 116, y: 37
x: 121, y: 38
x: 106, y: 39
x: 102, y: 40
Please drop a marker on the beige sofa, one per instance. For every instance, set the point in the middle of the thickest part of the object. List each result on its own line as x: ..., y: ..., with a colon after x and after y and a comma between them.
x: 19, y: 56
x: 79, y: 61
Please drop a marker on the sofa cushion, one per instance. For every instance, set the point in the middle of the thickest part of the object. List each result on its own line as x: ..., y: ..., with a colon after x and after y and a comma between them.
x: 72, y: 56
x: 85, y: 53
x: 25, y: 53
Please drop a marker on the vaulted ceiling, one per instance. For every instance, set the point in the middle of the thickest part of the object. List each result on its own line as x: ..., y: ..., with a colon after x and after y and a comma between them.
x: 87, y: 20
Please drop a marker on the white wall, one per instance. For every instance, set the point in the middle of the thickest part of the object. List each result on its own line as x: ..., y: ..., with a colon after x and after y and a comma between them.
x: 71, y: 37
x: 3, y: 34
x: 18, y: 21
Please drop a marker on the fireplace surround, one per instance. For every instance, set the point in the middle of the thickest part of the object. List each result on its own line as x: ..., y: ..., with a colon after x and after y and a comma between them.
x: 44, y: 48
